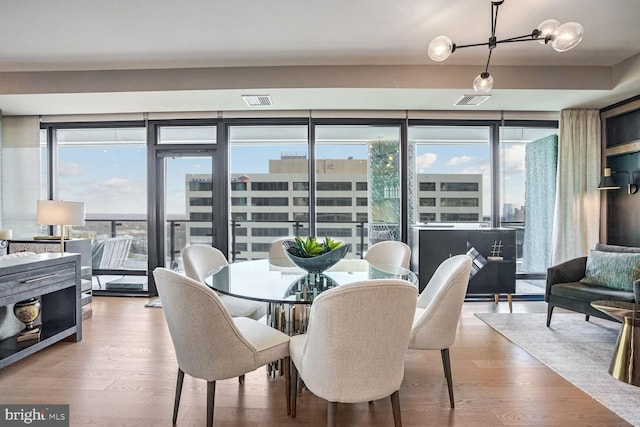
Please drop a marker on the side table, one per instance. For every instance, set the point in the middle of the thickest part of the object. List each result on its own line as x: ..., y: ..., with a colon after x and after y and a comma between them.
x: 624, y: 364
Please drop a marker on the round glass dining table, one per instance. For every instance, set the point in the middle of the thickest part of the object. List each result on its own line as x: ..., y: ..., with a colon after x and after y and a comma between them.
x: 289, y: 290
x: 278, y: 281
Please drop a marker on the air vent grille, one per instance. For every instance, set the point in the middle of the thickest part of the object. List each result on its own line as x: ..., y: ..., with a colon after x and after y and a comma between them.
x: 471, y: 100
x: 257, y: 100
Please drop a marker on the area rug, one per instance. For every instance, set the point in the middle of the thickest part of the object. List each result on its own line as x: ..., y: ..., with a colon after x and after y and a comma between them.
x: 577, y: 350
x: 154, y: 303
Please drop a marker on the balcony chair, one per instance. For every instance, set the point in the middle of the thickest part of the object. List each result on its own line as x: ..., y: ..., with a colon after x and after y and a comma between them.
x: 355, y: 344
x: 110, y: 254
x: 209, y: 344
x: 200, y: 260
x: 438, y: 311
x: 389, y: 252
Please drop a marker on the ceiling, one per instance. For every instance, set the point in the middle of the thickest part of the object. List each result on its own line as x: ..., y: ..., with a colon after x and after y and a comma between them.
x: 91, y: 56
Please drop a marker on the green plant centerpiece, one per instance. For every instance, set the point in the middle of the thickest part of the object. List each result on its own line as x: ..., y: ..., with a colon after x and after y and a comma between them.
x: 313, y: 255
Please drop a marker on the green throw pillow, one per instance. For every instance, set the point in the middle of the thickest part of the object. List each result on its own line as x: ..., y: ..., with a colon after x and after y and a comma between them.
x: 615, y: 270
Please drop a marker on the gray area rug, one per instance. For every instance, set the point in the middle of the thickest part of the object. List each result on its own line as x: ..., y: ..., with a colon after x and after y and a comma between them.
x: 154, y: 303
x: 577, y: 350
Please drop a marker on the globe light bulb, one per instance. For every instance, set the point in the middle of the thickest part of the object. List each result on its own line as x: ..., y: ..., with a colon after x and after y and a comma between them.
x: 567, y: 36
x: 547, y: 29
x: 440, y: 48
x: 483, y: 82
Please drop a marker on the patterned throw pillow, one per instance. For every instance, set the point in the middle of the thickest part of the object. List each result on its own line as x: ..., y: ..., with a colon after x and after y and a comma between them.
x: 615, y: 270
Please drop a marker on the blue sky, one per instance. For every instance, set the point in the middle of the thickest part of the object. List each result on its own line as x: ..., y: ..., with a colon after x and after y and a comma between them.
x: 112, y: 179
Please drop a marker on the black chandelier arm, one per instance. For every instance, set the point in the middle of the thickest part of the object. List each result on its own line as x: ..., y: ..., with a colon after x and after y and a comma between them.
x: 533, y: 36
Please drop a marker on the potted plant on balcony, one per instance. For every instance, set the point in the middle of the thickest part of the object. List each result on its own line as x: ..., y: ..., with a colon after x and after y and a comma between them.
x: 313, y: 255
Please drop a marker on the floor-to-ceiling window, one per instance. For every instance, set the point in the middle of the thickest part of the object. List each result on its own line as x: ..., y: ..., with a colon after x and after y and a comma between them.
x: 269, y: 187
x: 358, y: 197
x: 106, y: 168
x: 450, y: 175
x: 528, y: 159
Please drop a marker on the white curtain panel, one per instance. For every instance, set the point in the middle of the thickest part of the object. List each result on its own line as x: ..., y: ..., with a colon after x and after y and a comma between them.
x: 576, y: 222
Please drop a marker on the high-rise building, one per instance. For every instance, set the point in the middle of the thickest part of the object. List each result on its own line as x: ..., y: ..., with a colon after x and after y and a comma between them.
x: 267, y: 206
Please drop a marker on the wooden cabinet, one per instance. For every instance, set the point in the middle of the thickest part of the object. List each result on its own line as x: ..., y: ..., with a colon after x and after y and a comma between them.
x: 79, y: 246
x: 55, y: 279
x: 430, y: 246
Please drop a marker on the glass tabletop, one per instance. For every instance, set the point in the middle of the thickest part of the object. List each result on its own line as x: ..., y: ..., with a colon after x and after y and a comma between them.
x: 278, y: 282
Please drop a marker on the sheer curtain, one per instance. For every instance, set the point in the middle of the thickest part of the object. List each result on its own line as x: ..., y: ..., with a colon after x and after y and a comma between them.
x: 577, y: 209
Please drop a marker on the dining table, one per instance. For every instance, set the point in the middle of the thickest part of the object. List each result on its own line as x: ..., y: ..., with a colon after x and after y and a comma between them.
x: 289, y: 291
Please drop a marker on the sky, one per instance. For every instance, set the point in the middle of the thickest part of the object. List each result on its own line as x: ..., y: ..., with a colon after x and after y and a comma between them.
x: 111, y: 179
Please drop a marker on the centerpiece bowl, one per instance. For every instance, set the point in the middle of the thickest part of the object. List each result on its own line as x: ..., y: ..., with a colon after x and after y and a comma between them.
x: 315, y: 264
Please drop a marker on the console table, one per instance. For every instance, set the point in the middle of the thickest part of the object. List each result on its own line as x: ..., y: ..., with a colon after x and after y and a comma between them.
x: 77, y: 246
x: 55, y: 278
x: 489, y: 274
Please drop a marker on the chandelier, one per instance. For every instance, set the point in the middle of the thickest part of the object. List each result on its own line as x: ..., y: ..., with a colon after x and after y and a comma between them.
x: 561, y: 37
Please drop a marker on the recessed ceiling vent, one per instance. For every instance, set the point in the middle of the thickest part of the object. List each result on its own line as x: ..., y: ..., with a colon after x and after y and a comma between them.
x: 471, y: 100
x: 257, y: 100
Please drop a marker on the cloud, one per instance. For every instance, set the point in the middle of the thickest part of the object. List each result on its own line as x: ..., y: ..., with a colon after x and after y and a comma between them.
x: 424, y: 161
x: 69, y: 169
x: 512, y: 159
x: 455, y: 161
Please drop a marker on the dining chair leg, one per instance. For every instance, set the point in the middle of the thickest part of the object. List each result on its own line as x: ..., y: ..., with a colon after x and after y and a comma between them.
x: 586, y: 317
x: 446, y: 364
x: 211, y: 400
x: 176, y: 404
x: 332, y: 408
x: 395, y: 407
x: 287, y: 383
x: 293, y: 393
x: 241, y: 379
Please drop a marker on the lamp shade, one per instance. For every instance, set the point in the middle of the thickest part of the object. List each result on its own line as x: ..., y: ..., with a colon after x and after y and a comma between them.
x: 607, y: 182
x: 6, y: 234
x: 567, y: 36
x: 440, y: 48
x: 547, y: 29
x: 483, y: 82
x: 54, y: 212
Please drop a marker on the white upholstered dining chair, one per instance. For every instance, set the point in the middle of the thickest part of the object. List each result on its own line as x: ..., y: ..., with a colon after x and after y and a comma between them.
x: 355, y: 344
x: 390, y: 252
x: 208, y: 342
x: 438, y: 311
x: 200, y: 260
x: 277, y: 256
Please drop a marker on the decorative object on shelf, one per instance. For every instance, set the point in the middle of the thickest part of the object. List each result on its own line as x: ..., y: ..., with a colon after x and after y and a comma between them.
x: 58, y: 212
x: 5, y: 235
x: 312, y: 255
x: 496, y: 251
x: 608, y: 182
x: 27, y: 312
x: 561, y: 37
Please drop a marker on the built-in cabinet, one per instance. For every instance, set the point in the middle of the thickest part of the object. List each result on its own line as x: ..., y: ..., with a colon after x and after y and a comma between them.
x: 78, y: 246
x: 493, y: 251
x: 55, y: 280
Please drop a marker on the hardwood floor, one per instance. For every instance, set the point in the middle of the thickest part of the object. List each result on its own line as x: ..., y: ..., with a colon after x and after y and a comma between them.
x: 123, y: 373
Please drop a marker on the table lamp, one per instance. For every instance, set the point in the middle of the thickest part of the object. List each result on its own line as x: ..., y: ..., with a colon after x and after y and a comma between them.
x: 4, y: 236
x: 57, y: 212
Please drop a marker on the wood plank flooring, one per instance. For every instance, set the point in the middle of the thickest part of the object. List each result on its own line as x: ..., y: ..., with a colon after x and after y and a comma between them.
x: 123, y: 373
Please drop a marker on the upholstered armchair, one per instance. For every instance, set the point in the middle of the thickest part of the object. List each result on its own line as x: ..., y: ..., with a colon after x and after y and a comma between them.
x: 390, y: 252
x: 208, y: 342
x: 438, y: 311
x: 200, y: 260
x: 355, y: 344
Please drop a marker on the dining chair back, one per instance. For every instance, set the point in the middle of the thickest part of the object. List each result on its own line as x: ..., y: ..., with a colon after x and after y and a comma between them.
x: 200, y: 260
x: 389, y: 252
x: 277, y: 256
x: 209, y: 343
x: 355, y: 344
x: 438, y: 311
